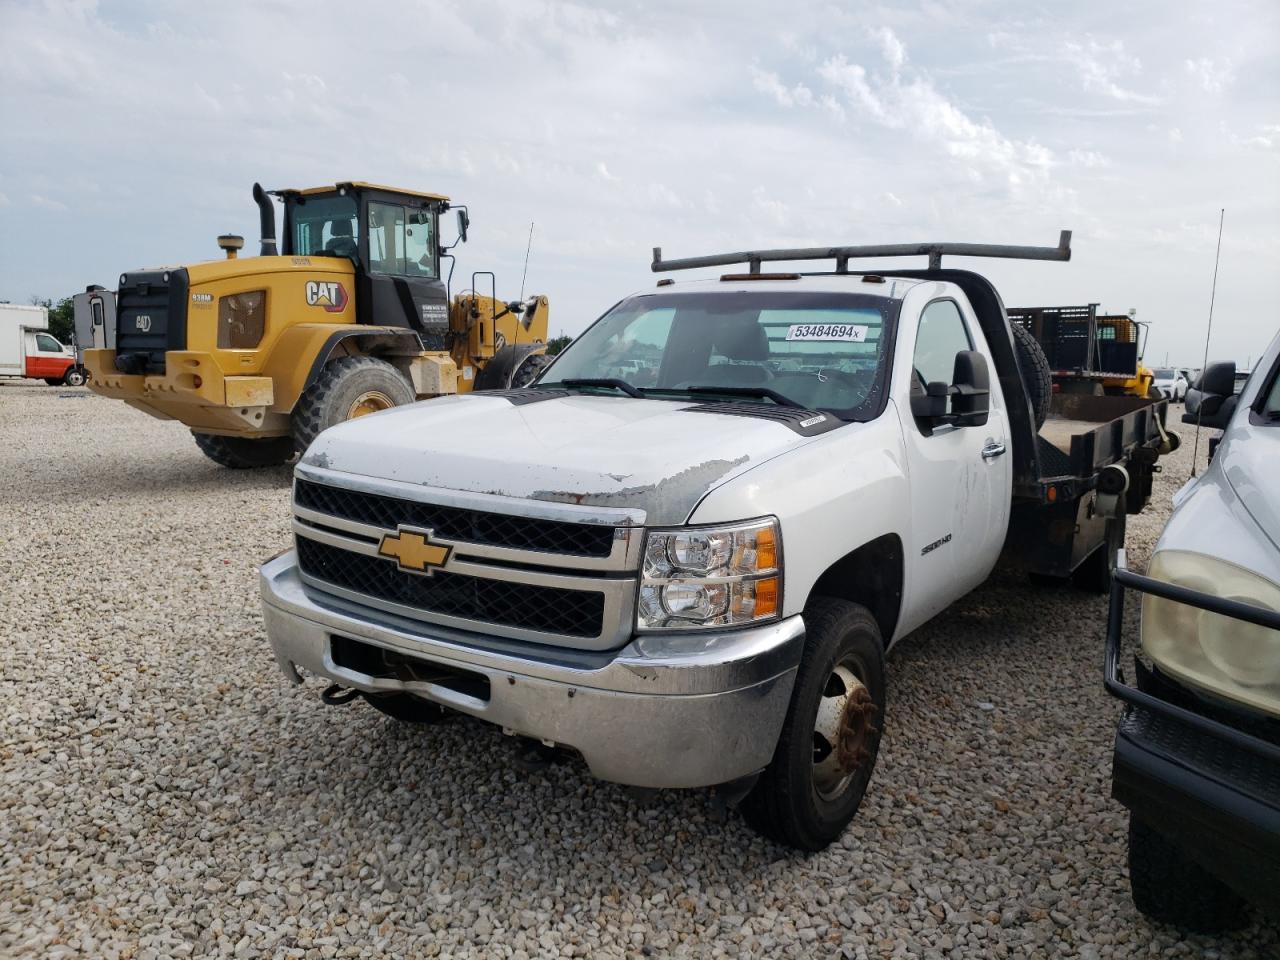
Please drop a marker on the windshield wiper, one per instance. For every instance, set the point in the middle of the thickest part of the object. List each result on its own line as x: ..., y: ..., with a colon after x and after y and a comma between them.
x: 613, y: 382
x: 763, y: 393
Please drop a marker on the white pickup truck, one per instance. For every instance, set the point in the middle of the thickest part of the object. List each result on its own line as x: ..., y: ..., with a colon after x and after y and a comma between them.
x: 691, y: 577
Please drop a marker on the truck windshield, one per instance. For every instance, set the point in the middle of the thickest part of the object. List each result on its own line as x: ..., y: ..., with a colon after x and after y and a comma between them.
x: 823, y: 351
x: 324, y: 226
x: 1163, y: 373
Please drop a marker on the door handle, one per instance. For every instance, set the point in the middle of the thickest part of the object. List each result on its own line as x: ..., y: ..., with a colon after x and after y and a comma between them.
x: 992, y: 450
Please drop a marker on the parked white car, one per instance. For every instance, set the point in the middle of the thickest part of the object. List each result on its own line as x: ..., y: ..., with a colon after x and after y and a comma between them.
x: 1172, y: 383
x: 1197, y: 755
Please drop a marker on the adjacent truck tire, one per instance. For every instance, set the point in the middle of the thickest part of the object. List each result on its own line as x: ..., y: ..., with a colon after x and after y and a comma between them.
x: 1098, y: 569
x: 244, y: 453
x: 347, y: 388
x: 74, y: 377
x: 1171, y: 888
x: 1036, y: 376
x: 829, y: 741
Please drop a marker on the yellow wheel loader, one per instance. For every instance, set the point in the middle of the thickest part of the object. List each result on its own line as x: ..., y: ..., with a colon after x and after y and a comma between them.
x: 348, y: 315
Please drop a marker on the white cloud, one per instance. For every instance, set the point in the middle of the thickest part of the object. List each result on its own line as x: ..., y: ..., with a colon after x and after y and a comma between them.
x: 1213, y: 77
x: 1175, y: 135
x: 1100, y: 63
x: 46, y: 203
x: 895, y: 54
x: 1089, y: 159
x: 911, y: 103
x: 767, y: 82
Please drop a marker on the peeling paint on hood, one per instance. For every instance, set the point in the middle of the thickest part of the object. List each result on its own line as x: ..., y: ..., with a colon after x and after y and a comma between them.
x: 602, y: 451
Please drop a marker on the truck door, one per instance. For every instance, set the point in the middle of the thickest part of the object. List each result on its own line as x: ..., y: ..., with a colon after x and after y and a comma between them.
x: 958, y: 514
x: 46, y: 357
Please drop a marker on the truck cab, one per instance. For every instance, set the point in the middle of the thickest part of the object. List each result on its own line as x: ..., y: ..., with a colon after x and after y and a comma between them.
x: 692, y: 579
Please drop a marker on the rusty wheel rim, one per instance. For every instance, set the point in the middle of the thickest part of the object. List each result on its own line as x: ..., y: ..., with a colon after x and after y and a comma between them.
x: 842, y: 732
x: 371, y: 401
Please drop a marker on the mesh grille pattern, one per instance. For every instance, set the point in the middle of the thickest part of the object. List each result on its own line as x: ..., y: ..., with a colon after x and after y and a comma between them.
x: 458, y: 523
x: 575, y: 613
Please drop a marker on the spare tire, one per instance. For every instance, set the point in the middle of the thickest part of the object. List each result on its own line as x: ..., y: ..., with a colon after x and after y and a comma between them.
x: 1034, y: 367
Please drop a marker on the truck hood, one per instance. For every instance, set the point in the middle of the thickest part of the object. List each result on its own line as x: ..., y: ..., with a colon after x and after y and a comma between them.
x: 650, y: 455
x: 1248, y: 460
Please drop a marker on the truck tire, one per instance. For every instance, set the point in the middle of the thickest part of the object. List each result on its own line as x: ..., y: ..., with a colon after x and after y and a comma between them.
x: 1036, y: 376
x: 348, y: 388
x: 829, y: 741
x: 1170, y: 887
x: 1095, y: 574
x: 244, y: 453
x: 407, y: 708
x: 74, y: 377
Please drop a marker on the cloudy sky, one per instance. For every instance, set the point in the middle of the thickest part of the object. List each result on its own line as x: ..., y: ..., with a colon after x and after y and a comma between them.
x: 133, y: 132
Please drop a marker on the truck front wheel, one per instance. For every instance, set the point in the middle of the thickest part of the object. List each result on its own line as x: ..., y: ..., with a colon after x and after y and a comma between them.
x: 244, y: 453
x: 348, y: 388
x: 74, y: 377
x: 827, y: 750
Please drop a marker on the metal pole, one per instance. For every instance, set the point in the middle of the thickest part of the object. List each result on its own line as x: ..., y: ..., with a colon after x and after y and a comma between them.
x: 526, y: 261
x: 1213, y: 293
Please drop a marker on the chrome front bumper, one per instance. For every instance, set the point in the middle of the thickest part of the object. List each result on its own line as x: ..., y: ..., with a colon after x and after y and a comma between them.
x: 686, y: 710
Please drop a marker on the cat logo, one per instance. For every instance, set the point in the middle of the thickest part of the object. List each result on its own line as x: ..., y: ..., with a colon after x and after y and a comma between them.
x: 413, y: 550
x: 330, y: 295
x: 142, y: 323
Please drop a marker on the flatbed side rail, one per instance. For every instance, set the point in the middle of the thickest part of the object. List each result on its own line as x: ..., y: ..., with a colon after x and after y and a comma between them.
x: 842, y: 255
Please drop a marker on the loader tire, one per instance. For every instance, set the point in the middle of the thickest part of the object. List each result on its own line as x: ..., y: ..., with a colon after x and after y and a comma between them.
x: 245, y: 453
x: 1036, y: 376
x: 530, y: 369
x: 348, y: 388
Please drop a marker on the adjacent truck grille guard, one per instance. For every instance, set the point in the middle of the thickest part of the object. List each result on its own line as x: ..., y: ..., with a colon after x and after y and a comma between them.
x: 551, y: 581
x: 1114, y: 678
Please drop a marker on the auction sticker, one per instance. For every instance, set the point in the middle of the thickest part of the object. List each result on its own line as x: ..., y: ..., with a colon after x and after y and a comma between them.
x: 848, y: 332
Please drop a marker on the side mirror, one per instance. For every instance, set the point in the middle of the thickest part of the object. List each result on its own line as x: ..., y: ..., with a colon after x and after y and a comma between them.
x: 971, y: 389
x: 464, y: 221
x: 932, y: 404
x: 1211, y: 402
x: 1219, y: 378
x: 969, y: 394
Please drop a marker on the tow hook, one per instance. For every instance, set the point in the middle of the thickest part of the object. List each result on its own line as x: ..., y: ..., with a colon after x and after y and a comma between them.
x: 336, y: 695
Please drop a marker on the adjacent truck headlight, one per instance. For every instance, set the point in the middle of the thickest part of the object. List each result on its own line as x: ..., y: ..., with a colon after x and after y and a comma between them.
x: 242, y: 318
x: 722, y: 576
x: 1231, y: 658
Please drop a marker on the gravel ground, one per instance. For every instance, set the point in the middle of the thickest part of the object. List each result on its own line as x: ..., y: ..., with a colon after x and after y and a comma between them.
x: 164, y: 792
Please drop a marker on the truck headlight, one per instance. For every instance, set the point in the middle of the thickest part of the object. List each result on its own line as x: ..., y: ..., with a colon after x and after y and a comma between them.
x: 723, y: 576
x: 242, y: 318
x: 1232, y: 658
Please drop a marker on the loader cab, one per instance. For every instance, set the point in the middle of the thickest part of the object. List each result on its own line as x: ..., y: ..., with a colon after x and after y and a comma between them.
x: 392, y: 239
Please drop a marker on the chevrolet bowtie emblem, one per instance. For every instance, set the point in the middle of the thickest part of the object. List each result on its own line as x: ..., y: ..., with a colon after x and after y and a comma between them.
x: 413, y: 550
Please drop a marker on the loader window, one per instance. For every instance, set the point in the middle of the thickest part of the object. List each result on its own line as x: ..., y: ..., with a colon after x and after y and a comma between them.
x: 401, y: 241
x: 324, y: 226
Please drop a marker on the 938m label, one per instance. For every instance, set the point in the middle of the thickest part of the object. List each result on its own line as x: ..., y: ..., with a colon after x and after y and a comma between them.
x: 847, y: 332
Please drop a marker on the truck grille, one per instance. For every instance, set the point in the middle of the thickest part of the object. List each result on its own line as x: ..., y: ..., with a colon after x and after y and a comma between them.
x: 574, y: 613
x: 457, y: 523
